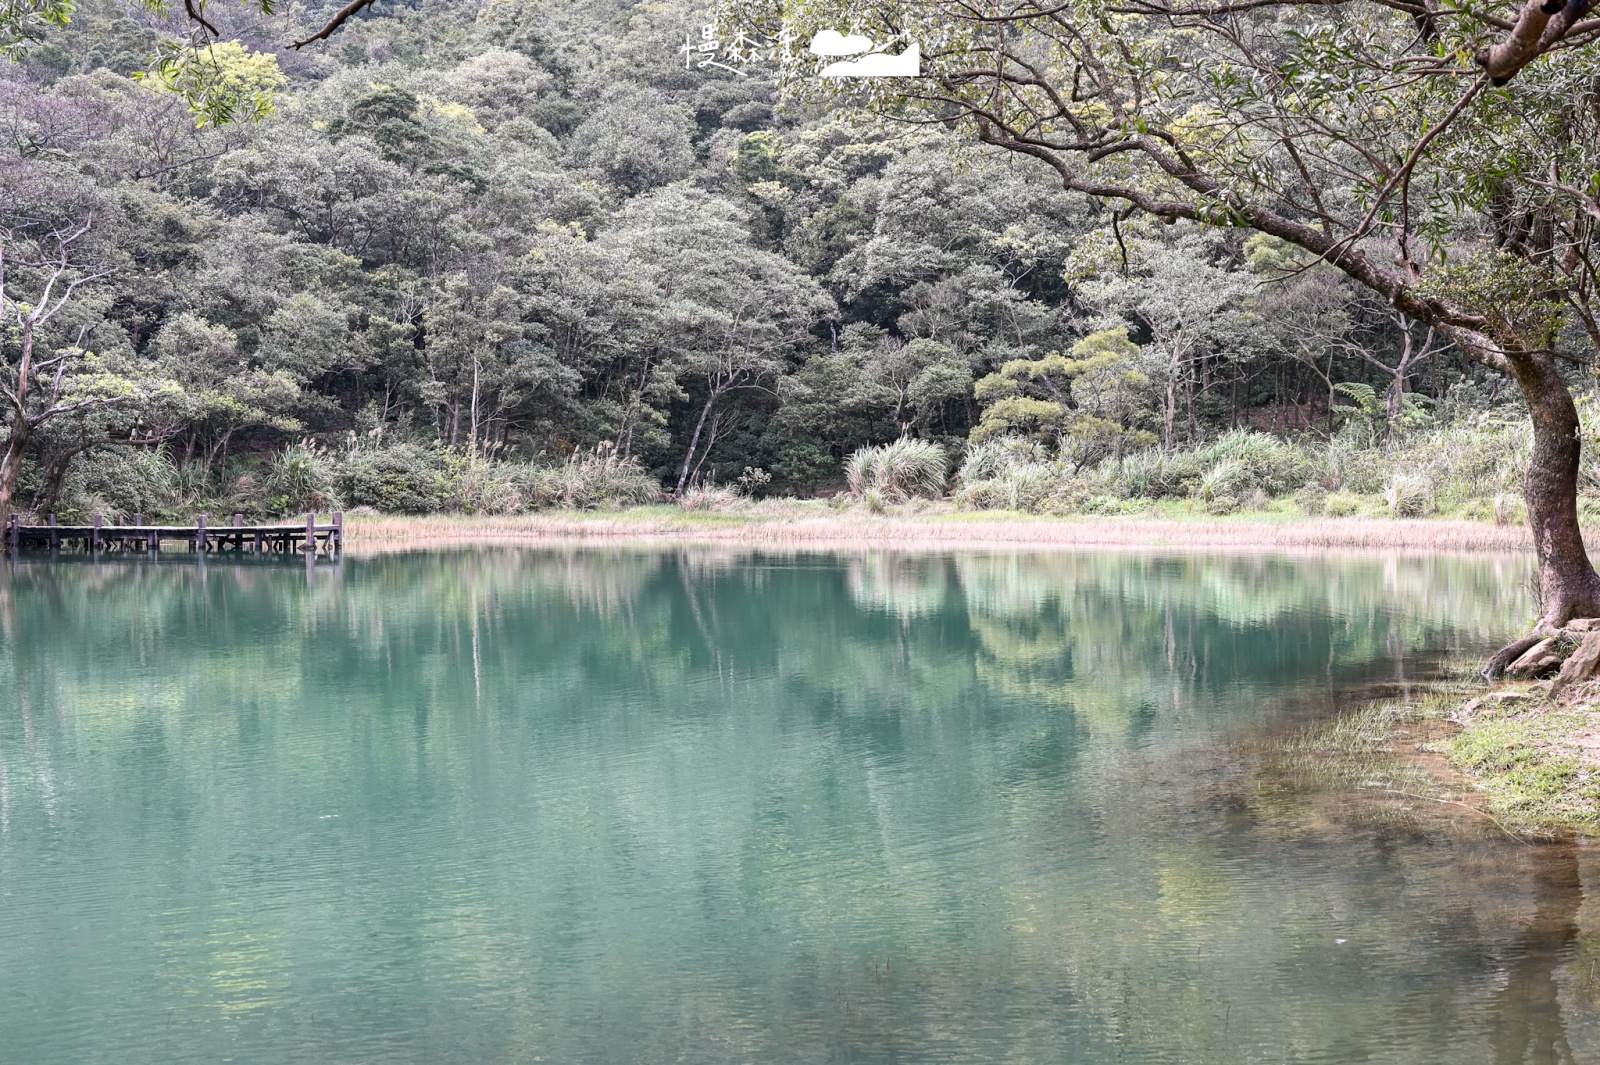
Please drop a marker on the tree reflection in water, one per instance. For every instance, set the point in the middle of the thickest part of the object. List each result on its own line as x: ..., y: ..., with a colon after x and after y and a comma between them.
x: 722, y: 806
x: 1526, y: 1023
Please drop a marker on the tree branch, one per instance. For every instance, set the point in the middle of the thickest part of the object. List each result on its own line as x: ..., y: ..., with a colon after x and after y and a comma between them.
x: 339, y: 19
x: 1540, y: 26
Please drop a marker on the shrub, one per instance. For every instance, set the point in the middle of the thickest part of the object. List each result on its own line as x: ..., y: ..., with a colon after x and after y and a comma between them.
x: 592, y: 479
x: 1312, y: 498
x: 1409, y: 495
x: 122, y: 481
x: 490, y: 488
x: 1257, y: 460
x: 709, y: 497
x: 1509, y: 509
x: 298, y: 479
x: 1342, y: 466
x: 1227, y: 480
x: 1342, y: 504
x: 994, y: 456
x: 901, y: 470
x: 398, y: 479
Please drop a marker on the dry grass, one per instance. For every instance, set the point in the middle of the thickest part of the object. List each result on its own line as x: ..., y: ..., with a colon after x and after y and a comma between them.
x: 822, y: 525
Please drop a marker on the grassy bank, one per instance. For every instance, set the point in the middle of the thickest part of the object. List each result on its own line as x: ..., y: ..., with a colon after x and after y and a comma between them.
x: 1512, y: 755
x: 929, y: 524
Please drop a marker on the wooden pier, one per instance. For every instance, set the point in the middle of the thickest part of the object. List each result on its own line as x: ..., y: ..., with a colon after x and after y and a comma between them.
x: 307, y: 537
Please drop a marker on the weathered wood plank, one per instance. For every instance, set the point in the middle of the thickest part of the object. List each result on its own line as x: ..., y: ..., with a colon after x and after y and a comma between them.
x: 98, y: 535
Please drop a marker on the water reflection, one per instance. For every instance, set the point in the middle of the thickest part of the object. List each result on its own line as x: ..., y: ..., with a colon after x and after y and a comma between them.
x: 1526, y: 1022
x: 711, y: 805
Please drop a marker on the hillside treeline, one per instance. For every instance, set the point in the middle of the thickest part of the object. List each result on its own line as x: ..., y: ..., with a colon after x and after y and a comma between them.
x: 494, y: 258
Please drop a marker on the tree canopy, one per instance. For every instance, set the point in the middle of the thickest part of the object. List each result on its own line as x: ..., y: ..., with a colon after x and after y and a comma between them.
x: 462, y: 251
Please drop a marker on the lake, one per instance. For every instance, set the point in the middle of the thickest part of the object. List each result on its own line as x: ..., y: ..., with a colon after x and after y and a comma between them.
x: 717, y: 805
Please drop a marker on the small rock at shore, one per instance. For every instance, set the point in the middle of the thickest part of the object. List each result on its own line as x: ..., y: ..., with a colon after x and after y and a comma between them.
x: 1582, y: 664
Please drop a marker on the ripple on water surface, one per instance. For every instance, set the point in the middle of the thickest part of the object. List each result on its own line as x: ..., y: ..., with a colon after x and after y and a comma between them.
x: 716, y: 806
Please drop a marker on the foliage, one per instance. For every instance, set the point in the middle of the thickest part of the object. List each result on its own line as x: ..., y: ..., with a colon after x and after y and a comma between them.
x: 220, y: 82
x: 1464, y: 470
x: 398, y: 479
x: 301, y: 478
x: 1368, y: 417
x: 462, y: 265
x: 901, y: 470
x: 710, y: 497
x: 590, y: 480
x: 1094, y: 399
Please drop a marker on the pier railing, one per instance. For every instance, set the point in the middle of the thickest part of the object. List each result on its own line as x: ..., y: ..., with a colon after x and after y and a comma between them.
x: 307, y: 536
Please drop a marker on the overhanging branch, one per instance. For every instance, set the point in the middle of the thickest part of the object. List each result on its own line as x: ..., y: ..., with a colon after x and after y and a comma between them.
x: 343, y: 15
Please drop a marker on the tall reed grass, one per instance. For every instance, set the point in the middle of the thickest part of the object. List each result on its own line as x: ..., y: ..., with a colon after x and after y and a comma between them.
x: 896, y: 472
x: 818, y: 525
x: 1469, y: 470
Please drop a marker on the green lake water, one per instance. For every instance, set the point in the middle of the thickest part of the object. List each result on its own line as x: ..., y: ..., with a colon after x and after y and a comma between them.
x: 706, y: 805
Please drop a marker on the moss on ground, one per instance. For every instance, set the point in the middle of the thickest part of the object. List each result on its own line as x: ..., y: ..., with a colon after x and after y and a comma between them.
x: 1536, y: 760
x: 1528, y: 762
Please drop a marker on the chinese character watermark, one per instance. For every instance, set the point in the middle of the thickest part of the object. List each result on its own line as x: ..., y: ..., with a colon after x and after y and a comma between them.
x: 733, y: 53
x: 855, y: 55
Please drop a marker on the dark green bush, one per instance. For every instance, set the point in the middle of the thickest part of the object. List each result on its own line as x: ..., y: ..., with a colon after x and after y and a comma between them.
x: 398, y: 479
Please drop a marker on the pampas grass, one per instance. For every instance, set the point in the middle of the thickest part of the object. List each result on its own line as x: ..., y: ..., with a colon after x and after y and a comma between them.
x: 902, y: 470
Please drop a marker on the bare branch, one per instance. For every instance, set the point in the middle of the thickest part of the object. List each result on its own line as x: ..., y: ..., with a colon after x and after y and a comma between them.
x: 339, y: 19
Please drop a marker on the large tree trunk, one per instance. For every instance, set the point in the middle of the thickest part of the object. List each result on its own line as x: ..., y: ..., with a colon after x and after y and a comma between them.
x: 694, y: 442
x: 11, y: 464
x: 1568, y: 585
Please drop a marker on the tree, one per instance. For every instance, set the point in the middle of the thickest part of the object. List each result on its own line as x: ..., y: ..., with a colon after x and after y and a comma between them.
x: 919, y: 378
x: 219, y: 79
x: 220, y: 394
x: 43, y: 267
x: 1093, y: 401
x: 1348, y: 130
x: 730, y: 316
x: 635, y: 141
x: 1188, y: 306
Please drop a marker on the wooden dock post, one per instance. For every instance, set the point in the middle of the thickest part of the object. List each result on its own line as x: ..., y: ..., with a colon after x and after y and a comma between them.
x: 97, y: 535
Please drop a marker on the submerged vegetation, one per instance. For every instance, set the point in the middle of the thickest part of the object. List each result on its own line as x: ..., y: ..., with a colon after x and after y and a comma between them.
x: 1524, y: 760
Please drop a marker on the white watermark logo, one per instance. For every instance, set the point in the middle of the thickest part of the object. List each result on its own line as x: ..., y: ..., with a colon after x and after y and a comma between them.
x: 857, y: 55
x: 731, y: 53
x: 870, y: 60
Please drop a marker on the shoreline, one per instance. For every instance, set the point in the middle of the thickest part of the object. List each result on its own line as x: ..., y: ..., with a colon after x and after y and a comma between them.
x: 1455, y: 747
x: 1508, y: 754
x: 821, y: 526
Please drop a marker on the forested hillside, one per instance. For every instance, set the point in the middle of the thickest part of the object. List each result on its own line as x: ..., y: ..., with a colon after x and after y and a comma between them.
x: 495, y: 257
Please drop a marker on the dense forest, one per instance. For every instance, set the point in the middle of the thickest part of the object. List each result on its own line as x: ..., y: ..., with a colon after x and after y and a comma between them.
x: 495, y: 257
